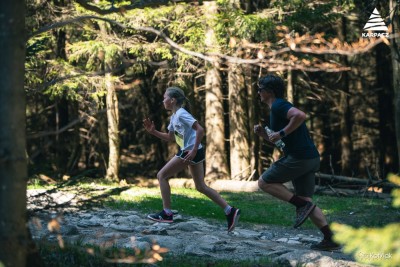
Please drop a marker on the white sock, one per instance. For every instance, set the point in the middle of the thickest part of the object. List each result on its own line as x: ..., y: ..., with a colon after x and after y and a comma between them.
x: 227, y: 209
x: 168, y: 212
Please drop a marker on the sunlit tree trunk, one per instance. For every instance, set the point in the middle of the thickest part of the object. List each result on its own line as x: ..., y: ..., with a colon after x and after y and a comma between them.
x: 395, y: 47
x: 289, y: 88
x: 238, y: 125
x: 13, y: 163
x: 253, y: 114
x: 216, y: 162
x: 112, y: 114
x: 113, y: 130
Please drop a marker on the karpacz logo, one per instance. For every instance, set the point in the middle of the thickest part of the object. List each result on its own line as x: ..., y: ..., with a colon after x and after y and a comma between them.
x: 376, y: 24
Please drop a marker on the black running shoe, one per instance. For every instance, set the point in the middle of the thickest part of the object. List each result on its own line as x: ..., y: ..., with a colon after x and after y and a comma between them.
x: 233, y: 218
x: 326, y: 245
x: 302, y: 213
x: 161, y: 217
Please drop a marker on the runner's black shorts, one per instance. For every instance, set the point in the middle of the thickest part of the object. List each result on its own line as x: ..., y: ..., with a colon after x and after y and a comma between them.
x: 200, y: 155
x: 300, y: 171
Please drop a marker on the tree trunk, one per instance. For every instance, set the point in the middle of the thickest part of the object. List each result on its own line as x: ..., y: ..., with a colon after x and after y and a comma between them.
x: 113, y: 130
x: 13, y: 162
x: 238, y: 125
x: 387, y: 134
x: 289, y: 88
x: 216, y: 162
x: 395, y: 47
x: 346, y: 144
x: 64, y: 141
x: 112, y: 116
x: 253, y: 118
x: 345, y: 129
x: 61, y: 158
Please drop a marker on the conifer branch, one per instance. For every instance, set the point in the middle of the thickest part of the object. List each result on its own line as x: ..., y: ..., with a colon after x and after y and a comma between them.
x: 268, y: 61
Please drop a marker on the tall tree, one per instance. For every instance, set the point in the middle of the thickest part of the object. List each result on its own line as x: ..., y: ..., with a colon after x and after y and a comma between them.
x: 238, y: 125
x: 395, y: 47
x: 387, y: 133
x: 113, y: 129
x: 346, y: 144
x: 63, y: 159
x: 13, y: 164
x: 216, y: 161
x: 112, y: 108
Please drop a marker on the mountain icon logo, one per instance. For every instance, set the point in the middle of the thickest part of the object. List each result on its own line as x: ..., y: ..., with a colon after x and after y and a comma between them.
x: 375, y: 22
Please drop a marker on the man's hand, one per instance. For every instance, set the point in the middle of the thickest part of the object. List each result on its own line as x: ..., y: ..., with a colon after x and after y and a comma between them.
x: 260, y: 131
x: 274, y: 137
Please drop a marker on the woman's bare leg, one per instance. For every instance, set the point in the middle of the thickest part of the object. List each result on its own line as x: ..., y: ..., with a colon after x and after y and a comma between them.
x: 197, y: 171
x: 172, y: 167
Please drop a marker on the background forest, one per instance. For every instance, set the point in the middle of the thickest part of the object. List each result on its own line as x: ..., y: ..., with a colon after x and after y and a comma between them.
x: 96, y: 69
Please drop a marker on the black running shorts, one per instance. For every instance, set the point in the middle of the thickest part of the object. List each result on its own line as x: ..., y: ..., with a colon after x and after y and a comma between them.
x: 300, y: 171
x: 200, y: 156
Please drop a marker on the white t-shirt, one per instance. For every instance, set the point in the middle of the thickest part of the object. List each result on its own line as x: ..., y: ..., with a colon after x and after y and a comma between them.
x: 181, y: 124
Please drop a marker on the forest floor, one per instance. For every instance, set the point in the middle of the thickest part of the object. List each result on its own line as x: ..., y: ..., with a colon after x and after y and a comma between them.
x: 115, y: 216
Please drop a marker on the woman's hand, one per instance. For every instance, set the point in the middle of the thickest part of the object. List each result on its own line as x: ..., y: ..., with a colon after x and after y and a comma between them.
x: 190, y: 155
x: 149, y: 125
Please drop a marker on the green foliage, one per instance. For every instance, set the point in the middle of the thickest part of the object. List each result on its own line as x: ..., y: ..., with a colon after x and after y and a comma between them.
x: 311, y: 16
x: 37, y: 51
x: 156, y: 17
x: 163, y: 52
x: 39, y: 45
x: 187, y: 27
x: 182, y: 23
x: 149, y: 52
x: 74, y: 83
x: 396, y: 192
x: 92, y: 55
x: 378, y: 246
x: 68, y: 88
x: 232, y: 22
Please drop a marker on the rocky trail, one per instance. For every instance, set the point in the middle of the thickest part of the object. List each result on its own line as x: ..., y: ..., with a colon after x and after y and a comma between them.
x: 188, y: 235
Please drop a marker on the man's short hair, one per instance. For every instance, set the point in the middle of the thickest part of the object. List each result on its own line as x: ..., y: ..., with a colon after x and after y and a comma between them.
x: 273, y: 83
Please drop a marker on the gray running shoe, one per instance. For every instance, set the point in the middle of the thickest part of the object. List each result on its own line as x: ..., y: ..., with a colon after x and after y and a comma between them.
x: 302, y: 213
